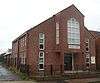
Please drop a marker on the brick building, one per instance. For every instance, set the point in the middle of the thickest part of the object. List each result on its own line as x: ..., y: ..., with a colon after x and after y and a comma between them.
x: 7, y: 57
x: 61, y: 42
x: 97, y: 49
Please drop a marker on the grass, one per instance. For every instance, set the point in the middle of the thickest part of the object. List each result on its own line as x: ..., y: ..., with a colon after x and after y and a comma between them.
x: 23, y: 76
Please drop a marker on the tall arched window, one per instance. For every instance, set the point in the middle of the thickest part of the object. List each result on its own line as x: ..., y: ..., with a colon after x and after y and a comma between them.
x: 73, y: 33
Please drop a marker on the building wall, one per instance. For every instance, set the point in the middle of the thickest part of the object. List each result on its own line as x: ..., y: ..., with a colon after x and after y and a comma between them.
x: 48, y: 28
x: 64, y: 16
x: 92, y: 47
x: 14, y: 53
x: 98, y: 53
x: 97, y: 48
x: 19, y: 51
x: 54, y: 53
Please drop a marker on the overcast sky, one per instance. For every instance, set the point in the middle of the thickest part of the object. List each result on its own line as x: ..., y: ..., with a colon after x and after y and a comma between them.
x: 17, y: 16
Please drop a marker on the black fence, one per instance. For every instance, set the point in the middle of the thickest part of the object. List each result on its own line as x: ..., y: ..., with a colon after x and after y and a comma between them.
x: 53, y: 70
x: 48, y: 69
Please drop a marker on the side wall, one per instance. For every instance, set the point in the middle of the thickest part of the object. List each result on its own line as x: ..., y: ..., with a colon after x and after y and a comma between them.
x: 98, y: 53
x: 48, y: 28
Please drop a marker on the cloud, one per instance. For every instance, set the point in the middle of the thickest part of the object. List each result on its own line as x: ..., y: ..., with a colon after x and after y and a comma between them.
x: 17, y: 16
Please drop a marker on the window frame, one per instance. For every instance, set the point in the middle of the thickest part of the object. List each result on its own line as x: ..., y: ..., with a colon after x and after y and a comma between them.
x: 73, y: 41
x: 57, y: 33
x: 43, y: 38
x: 41, y: 62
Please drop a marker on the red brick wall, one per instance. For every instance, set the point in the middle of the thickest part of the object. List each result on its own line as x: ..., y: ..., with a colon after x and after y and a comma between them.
x: 48, y: 28
x: 54, y: 54
x: 18, y: 49
x: 98, y: 53
x: 92, y: 48
x: 63, y: 17
x: 97, y: 47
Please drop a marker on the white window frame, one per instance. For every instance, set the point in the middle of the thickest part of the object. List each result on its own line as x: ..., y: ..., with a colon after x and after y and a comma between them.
x: 41, y: 62
x: 57, y: 32
x: 93, y: 60
x: 43, y: 40
x: 87, y: 57
x: 25, y: 41
x: 87, y: 42
x: 73, y: 29
x: 23, y: 58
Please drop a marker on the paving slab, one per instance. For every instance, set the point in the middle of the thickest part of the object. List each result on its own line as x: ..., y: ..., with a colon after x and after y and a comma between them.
x: 17, y: 82
x: 87, y: 80
x: 26, y: 82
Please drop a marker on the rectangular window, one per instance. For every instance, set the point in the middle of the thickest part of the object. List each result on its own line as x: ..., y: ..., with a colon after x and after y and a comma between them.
x: 41, y: 35
x: 73, y: 33
x: 87, y: 45
x: 41, y: 60
x: 87, y: 60
x: 23, y: 58
x: 74, y: 46
x: 93, y: 60
x: 25, y: 41
x: 87, y: 55
x: 41, y: 46
x: 57, y: 33
x: 41, y: 41
x: 87, y: 65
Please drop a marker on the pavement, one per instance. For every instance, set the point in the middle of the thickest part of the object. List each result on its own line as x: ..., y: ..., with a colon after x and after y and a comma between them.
x: 87, y: 80
x: 25, y: 82
x: 7, y: 76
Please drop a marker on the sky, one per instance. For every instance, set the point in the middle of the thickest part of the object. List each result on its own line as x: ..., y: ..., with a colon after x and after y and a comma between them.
x: 17, y: 16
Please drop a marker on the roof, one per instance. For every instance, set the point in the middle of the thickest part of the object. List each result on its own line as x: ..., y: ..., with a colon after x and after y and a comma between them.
x: 90, y: 33
x: 48, y: 19
x: 95, y: 33
x: 8, y: 52
x: 70, y: 7
x: 56, y: 14
x: 20, y: 36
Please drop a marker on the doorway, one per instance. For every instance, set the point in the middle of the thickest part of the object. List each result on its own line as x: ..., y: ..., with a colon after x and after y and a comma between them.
x: 68, y: 61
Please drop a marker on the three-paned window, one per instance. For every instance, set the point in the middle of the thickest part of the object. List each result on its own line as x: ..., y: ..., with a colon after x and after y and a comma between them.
x: 41, y: 41
x: 41, y: 60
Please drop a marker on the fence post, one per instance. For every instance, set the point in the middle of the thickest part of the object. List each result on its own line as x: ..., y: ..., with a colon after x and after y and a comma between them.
x: 61, y: 69
x: 51, y: 70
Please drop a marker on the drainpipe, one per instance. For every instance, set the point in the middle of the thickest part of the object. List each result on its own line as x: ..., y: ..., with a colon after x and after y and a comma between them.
x: 72, y: 61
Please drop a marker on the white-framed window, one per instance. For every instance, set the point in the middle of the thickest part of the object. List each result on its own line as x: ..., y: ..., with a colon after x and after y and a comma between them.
x: 23, y: 58
x: 87, y: 65
x: 15, y: 59
x: 87, y: 45
x: 73, y: 33
x: 93, y: 61
x: 87, y: 55
x: 41, y: 60
x: 41, y: 41
x: 57, y: 32
x: 25, y: 41
x: 87, y: 60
